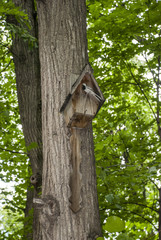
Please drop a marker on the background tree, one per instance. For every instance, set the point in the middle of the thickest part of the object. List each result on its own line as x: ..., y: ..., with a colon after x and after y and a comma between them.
x: 14, y: 163
x: 28, y: 82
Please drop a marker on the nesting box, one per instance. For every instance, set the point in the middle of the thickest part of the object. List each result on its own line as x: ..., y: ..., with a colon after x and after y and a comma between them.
x: 84, y: 100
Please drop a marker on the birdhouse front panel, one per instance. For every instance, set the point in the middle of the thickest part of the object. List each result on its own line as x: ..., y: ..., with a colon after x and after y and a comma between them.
x: 84, y: 100
x: 81, y: 108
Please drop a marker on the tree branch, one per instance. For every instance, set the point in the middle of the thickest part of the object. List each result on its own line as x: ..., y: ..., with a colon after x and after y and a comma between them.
x: 112, y: 82
x: 125, y: 148
x: 149, y: 67
x: 6, y: 66
x: 158, y: 100
x: 7, y: 150
x: 137, y: 214
x: 121, y: 165
x: 154, y: 184
x: 158, y: 68
x: 143, y: 205
x: 140, y: 89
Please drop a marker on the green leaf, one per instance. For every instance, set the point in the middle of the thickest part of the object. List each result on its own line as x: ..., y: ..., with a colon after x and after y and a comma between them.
x: 114, y: 224
x: 32, y: 145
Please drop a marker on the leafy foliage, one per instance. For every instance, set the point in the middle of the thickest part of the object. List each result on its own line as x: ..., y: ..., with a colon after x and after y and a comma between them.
x: 124, y: 47
x: 13, y: 158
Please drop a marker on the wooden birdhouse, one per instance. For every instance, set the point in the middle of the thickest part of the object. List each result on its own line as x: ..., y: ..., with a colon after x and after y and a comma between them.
x: 84, y: 100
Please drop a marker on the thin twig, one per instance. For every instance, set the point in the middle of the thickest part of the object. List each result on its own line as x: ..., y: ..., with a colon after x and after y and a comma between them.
x: 149, y: 67
x: 158, y: 68
x: 112, y: 82
x: 141, y: 89
x: 140, y: 204
x: 137, y: 214
x: 6, y: 66
x: 158, y: 100
x: 124, y: 145
x: 7, y: 150
x: 154, y: 184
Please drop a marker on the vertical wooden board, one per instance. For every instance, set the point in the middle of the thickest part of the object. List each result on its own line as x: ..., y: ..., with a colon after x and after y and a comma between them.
x: 75, y: 179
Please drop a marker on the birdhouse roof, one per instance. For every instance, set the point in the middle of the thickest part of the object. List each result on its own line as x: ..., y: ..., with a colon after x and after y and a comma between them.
x: 87, y: 74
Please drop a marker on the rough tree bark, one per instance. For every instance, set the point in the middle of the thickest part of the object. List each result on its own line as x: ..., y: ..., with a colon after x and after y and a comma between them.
x: 27, y: 69
x: 63, y: 55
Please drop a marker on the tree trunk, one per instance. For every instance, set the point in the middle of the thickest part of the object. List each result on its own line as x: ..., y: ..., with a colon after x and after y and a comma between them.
x: 63, y: 55
x: 27, y: 69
